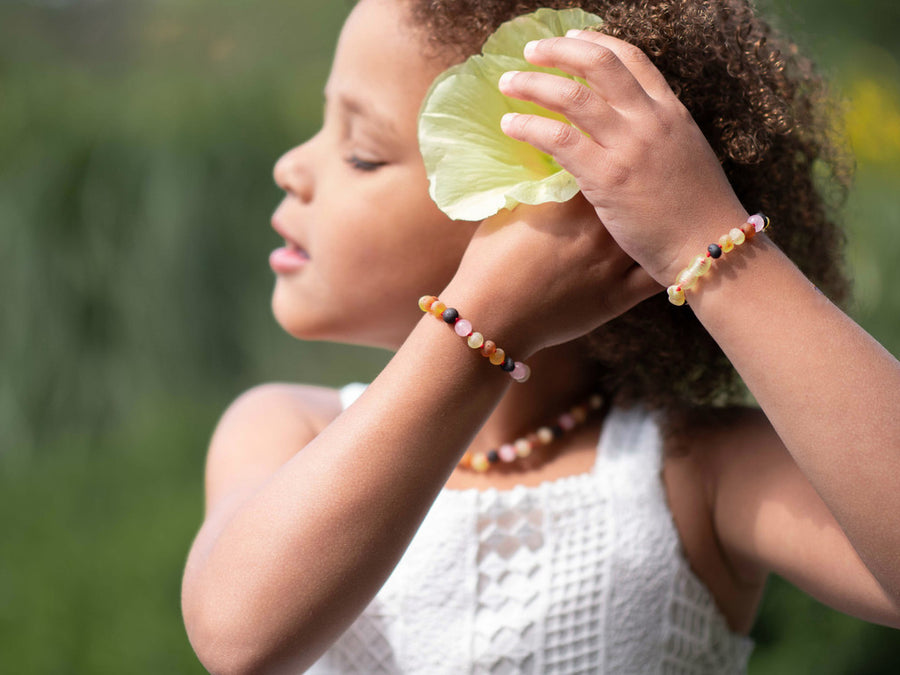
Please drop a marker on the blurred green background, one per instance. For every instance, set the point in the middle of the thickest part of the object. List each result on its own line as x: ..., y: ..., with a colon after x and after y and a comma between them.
x: 136, y: 145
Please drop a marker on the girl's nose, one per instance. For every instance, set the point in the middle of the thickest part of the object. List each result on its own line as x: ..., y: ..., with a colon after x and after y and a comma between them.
x: 293, y: 175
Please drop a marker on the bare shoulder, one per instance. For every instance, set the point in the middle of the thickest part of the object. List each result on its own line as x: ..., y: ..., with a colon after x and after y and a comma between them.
x: 261, y: 430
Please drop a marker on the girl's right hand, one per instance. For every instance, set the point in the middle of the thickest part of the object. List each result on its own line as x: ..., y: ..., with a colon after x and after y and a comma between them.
x: 634, y: 149
x: 539, y: 276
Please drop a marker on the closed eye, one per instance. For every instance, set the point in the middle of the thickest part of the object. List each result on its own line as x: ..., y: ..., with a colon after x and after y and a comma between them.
x: 362, y: 164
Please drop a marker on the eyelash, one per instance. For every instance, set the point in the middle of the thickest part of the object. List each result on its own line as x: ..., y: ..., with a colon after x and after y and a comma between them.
x: 363, y: 165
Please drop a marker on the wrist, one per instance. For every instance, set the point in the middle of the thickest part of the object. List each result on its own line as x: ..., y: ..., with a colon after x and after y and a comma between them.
x: 720, y: 255
x: 696, y: 240
x: 475, y: 340
x: 495, y: 314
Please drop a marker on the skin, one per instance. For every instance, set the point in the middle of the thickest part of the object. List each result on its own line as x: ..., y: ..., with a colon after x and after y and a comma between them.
x: 287, y: 471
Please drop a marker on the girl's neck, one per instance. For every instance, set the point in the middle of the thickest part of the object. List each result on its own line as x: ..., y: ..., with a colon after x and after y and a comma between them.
x: 559, y: 381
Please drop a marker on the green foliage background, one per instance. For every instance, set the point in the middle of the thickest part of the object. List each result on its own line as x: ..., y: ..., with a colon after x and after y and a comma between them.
x: 136, y: 146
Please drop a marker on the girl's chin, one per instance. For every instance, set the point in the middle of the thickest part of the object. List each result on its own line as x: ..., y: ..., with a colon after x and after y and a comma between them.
x: 325, y: 320
x: 302, y: 322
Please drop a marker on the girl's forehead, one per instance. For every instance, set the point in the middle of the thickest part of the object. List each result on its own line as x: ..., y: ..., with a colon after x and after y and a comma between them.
x: 379, y: 65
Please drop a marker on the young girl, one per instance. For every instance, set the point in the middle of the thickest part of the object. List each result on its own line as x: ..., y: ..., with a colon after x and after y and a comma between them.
x: 632, y: 535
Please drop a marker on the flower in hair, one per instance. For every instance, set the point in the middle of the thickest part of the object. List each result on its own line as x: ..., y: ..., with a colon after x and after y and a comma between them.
x: 474, y: 169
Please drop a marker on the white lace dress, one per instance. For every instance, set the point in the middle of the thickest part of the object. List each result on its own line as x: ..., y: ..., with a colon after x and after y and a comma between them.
x: 583, y: 574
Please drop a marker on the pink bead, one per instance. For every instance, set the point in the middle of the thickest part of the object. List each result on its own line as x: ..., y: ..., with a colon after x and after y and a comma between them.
x: 463, y: 328
x: 507, y: 452
x: 757, y: 222
x: 521, y: 372
x: 566, y: 421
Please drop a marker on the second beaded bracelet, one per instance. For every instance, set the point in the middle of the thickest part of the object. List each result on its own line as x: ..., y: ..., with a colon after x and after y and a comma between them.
x: 517, y: 370
x: 700, y: 265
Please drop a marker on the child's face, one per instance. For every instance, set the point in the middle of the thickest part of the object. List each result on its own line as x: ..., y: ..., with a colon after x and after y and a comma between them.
x: 357, y: 196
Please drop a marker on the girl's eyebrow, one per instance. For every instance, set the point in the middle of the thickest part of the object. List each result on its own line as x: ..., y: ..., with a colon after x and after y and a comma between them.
x: 363, y: 108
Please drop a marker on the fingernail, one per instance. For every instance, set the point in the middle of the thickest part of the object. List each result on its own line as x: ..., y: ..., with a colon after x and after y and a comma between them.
x: 506, y: 78
x: 507, y: 120
x: 530, y: 47
x: 573, y: 33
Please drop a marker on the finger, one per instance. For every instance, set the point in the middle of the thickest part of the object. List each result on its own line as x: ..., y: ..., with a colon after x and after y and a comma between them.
x: 578, y: 103
x: 634, y: 59
x: 598, y: 65
x: 573, y: 150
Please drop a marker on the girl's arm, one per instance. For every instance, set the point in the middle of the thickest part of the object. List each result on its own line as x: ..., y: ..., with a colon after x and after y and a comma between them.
x: 302, y: 528
x: 296, y: 543
x: 831, y: 392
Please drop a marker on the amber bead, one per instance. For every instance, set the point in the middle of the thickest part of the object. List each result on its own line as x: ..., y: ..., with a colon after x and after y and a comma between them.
x: 700, y: 265
x: 426, y: 301
x: 726, y: 243
x: 475, y: 340
x: 488, y: 348
x: 523, y: 447
x: 498, y: 357
x: 676, y: 295
x: 480, y: 462
x: 686, y: 279
x: 737, y: 236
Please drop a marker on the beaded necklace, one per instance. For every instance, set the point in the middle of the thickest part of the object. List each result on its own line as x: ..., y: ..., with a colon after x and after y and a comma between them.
x: 522, y: 447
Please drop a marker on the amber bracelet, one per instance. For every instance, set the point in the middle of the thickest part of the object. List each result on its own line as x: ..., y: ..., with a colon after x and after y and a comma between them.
x: 690, y: 275
x: 517, y: 370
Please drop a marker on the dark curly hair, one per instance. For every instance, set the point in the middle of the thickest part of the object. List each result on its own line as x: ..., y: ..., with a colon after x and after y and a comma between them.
x: 769, y: 118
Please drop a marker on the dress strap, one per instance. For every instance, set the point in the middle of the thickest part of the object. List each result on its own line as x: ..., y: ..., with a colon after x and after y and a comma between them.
x: 350, y: 392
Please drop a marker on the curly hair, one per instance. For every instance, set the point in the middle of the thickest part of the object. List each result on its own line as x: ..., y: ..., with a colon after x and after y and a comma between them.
x: 769, y: 118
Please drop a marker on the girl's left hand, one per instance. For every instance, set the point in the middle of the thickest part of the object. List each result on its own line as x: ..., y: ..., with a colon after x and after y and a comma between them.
x: 642, y: 162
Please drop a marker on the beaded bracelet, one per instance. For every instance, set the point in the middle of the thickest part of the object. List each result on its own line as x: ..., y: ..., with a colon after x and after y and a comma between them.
x: 700, y: 265
x: 517, y: 370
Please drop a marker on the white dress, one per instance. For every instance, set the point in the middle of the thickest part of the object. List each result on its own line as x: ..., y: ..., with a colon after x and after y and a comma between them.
x: 583, y: 574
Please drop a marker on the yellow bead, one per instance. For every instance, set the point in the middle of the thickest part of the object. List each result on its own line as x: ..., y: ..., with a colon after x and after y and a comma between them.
x: 480, y: 462
x: 686, y: 279
x: 523, y: 447
x: 498, y: 357
x: 437, y: 308
x: 676, y: 295
x: 425, y: 302
x: 545, y: 435
x: 475, y: 340
x: 700, y: 265
x: 726, y: 243
x: 737, y: 236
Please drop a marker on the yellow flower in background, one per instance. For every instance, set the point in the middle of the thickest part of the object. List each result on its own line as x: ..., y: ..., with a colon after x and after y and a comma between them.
x: 873, y: 120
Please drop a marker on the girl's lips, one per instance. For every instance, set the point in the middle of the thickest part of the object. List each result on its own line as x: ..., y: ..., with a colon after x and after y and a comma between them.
x: 287, y: 259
